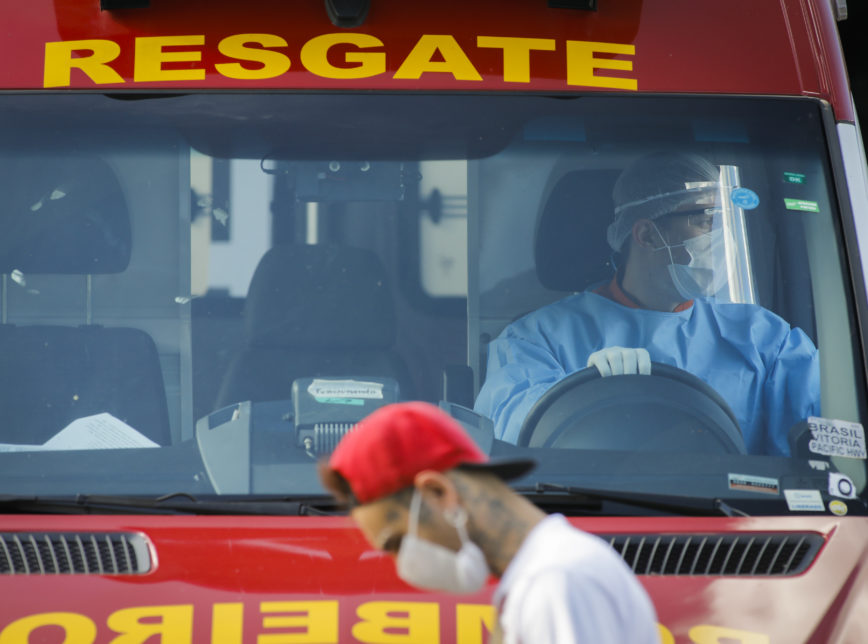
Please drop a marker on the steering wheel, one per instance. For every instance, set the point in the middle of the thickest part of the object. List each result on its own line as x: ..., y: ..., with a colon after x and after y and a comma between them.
x: 669, y: 410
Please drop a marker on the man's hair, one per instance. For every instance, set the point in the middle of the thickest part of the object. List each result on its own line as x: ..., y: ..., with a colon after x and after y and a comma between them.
x: 334, y: 482
x: 340, y: 488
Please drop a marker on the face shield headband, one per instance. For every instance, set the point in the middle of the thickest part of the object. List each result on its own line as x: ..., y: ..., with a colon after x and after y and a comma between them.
x: 655, y: 206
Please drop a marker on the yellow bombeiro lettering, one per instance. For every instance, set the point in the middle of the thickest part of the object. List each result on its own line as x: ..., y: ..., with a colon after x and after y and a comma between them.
x: 304, y: 622
x: 150, y: 57
x: 666, y: 636
x: 471, y: 620
x: 516, y: 54
x: 227, y: 623
x: 272, y: 63
x: 417, y: 623
x: 705, y: 634
x: 77, y: 629
x: 59, y: 62
x: 173, y: 625
x: 455, y: 61
x: 318, y: 621
x: 314, y: 56
x: 581, y: 64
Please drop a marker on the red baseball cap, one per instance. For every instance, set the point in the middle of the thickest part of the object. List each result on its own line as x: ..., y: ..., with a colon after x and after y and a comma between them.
x: 386, y: 450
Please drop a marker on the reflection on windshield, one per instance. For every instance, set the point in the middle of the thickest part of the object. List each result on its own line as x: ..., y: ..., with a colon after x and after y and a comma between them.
x: 645, y: 294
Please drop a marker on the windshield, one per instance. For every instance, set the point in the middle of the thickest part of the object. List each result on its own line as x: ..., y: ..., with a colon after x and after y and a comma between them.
x: 201, y: 294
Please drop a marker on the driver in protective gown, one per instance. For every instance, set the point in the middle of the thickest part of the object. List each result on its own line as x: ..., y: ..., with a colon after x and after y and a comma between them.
x: 656, y: 308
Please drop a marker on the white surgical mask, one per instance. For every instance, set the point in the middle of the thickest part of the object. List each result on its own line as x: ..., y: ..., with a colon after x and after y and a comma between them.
x: 428, y: 565
x: 705, y: 274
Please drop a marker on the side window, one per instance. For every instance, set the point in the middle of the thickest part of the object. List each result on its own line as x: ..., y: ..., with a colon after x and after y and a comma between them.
x: 443, y: 228
x: 226, y: 248
x: 230, y: 230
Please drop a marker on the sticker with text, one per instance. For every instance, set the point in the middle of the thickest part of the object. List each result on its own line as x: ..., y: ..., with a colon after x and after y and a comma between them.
x: 804, y: 500
x: 836, y: 438
x: 802, y: 205
x: 748, y: 483
x: 321, y: 388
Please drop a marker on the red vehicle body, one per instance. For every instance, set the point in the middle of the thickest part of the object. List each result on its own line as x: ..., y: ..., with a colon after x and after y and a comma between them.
x: 250, y: 577
x: 225, y: 580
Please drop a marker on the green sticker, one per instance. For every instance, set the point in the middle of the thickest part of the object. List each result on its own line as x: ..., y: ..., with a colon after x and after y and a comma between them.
x: 340, y: 401
x: 801, y: 204
x: 794, y: 177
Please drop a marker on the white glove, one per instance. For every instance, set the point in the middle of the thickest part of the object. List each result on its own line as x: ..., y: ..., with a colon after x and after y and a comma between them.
x: 619, y: 361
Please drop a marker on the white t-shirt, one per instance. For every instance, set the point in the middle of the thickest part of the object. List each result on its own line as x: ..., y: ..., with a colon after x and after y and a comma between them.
x: 567, y: 586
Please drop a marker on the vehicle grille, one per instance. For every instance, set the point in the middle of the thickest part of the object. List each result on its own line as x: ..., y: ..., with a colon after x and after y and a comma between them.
x: 50, y: 553
x: 755, y: 554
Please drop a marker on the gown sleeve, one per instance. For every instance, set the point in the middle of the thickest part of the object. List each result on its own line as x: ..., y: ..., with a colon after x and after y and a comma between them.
x: 519, y: 372
x: 792, y: 389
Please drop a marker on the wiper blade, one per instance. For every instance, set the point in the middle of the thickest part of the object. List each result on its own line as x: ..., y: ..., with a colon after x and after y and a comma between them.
x: 684, y: 505
x: 175, y: 503
x: 321, y: 505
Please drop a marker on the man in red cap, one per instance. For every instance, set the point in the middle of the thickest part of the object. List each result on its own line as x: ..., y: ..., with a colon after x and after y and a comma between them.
x: 421, y: 490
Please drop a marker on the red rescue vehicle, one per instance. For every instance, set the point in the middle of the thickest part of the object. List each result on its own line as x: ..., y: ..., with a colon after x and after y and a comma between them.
x: 230, y: 230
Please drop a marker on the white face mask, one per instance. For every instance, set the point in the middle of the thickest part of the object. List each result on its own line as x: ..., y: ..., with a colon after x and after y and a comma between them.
x: 431, y: 566
x: 705, y: 274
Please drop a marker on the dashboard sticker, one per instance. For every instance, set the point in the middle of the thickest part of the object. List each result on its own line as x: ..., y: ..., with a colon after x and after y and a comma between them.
x: 841, y: 485
x: 838, y: 508
x: 321, y: 388
x: 748, y: 483
x: 804, y: 500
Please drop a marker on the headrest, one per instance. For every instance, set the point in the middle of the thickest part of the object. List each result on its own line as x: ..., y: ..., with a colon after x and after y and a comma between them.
x: 320, y: 297
x: 570, y: 246
x: 62, y: 215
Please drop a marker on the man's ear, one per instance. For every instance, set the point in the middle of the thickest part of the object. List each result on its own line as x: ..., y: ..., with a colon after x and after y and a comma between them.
x: 437, y: 488
x: 645, y: 234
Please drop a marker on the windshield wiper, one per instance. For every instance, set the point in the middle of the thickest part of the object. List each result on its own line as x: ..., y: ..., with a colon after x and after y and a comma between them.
x: 683, y: 505
x: 175, y: 503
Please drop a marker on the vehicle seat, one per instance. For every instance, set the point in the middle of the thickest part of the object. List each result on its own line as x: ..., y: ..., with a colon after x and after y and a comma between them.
x: 52, y: 375
x: 63, y: 217
x: 314, y: 310
x: 570, y: 248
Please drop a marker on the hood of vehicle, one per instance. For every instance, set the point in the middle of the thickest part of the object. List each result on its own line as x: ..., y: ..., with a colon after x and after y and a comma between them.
x: 231, y: 579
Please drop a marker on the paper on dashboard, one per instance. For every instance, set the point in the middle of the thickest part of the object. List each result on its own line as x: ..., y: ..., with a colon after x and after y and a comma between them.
x: 100, y: 431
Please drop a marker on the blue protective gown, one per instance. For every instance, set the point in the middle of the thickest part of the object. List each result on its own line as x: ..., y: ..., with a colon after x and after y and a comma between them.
x: 766, y: 371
